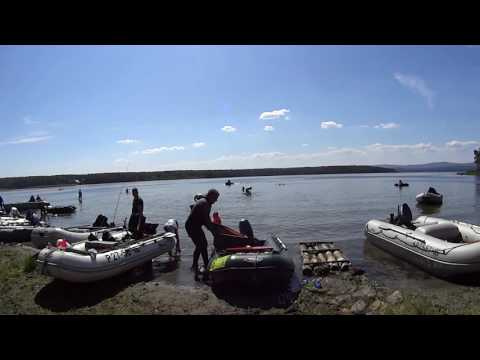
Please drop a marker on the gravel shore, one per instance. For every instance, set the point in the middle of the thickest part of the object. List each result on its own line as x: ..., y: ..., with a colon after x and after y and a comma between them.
x: 25, y: 291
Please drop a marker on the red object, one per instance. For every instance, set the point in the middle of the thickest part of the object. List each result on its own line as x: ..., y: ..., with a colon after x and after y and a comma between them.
x: 250, y: 249
x: 62, y: 244
x: 216, y: 218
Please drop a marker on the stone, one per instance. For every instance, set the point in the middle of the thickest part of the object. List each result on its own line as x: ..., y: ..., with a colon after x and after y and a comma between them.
x: 376, y: 305
x: 395, y: 297
x: 359, y: 306
x: 365, y: 291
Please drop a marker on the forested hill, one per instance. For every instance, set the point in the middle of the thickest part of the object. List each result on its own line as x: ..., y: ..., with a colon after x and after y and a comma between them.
x: 65, y: 180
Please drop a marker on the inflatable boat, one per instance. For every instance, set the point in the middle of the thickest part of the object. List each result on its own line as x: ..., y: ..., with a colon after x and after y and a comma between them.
x: 445, y: 248
x: 42, y: 236
x: 431, y: 197
x: 15, y: 234
x: 13, y: 221
x: 240, y: 259
x: 60, y: 210
x: 37, y: 205
x: 228, y: 183
x: 90, y: 261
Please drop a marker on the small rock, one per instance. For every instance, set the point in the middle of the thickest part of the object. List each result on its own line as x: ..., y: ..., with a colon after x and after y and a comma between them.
x: 358, y: 307
x: 395, y: 297
x: 366, y: 291
x: 375, y: 305
x: 345, y: 311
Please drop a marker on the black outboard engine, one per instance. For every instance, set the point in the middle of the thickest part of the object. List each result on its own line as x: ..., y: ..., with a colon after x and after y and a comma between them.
x: 405, y: 217
x: 245, y: 228
x: 101, y: 221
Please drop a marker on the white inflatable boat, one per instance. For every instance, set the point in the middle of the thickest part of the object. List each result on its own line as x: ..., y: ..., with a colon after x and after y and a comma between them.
x: 446, y: 248
x: 42, y: 236
x: 431, y: 197
x: 90, y: 261
x: 13, y: 221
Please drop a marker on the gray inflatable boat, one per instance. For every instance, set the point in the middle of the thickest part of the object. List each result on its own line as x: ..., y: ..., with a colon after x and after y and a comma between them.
x: 445, y: 248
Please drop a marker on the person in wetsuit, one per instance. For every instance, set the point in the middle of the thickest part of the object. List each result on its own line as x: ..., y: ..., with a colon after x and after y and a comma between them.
x: 1, y: 204
x: 135, y: 224
x: 200, y: 216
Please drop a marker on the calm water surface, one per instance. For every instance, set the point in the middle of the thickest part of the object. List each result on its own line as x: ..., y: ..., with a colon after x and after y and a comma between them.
x: 305, y: 208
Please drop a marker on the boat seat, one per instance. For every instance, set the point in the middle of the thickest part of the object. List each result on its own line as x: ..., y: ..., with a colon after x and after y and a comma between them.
x: 445, y: 231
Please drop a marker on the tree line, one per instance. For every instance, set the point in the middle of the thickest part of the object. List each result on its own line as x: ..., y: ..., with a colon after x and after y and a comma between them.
x: 101, y: 178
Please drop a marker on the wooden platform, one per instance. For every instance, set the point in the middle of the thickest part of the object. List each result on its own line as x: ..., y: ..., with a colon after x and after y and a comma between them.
x: 321, y: 257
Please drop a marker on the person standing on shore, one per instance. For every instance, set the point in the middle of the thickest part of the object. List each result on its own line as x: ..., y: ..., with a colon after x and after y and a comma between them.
x: 200, y: 216
x: 135, y: 224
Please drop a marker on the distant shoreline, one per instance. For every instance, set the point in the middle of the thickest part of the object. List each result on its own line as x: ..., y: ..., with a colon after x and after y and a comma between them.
x: 105, y: 178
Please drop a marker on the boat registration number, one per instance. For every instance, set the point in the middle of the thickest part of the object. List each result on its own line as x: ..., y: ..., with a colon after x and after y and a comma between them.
x: 117, y: 255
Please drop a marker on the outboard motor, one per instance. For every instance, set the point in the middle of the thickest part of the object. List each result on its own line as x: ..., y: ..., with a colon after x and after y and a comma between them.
x: 245, y: 228
x: 405, y: 217
x: 101, y: 221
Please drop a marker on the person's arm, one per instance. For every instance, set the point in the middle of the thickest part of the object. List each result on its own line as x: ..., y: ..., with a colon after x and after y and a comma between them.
x: 206, y: 218
x: 140, y: 213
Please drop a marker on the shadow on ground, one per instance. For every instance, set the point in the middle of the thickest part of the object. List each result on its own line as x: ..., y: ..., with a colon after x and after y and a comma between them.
x: 61, y: 296
x: 263, y: 298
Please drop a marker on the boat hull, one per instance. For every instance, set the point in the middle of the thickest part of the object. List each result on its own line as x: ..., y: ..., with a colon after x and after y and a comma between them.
x: 429, y: 199
x: 85, y: 266
x: 439, y: 257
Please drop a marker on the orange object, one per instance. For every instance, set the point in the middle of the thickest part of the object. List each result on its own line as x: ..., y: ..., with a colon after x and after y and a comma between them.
x: 216, y: 218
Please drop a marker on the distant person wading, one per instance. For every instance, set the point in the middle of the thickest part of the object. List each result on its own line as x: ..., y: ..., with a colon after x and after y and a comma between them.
x: 137, y: 220
x: 200, y: 216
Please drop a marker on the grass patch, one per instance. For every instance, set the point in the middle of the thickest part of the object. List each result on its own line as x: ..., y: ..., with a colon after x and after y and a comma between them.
x: 29, y: 264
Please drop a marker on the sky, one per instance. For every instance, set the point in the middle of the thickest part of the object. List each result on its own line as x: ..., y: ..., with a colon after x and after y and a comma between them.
x: 87, y: 109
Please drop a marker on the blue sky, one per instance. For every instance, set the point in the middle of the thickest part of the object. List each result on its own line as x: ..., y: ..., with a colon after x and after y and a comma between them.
x: 81, y: 109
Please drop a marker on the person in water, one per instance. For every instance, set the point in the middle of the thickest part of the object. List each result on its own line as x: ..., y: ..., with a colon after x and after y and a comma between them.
x: 80, y: 198
x: 32, y: 199
x: 135, y: 224
x: 38, y: 198
x: 1, y: 203
x: 200, y: 216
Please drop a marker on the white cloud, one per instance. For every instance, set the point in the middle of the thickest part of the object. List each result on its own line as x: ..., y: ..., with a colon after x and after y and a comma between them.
x: 128, y: 141
x: 417, y: 85
x: 199, y: 144
x: 161, y: 149
x: 330, y: 125
x: 387, y: 126
x: 228, y: 129
x: 268, y: 128
x: 26, y: 140
x: 383, y: 147
x: 304, y: 145
x: 456, y: 144
x: 275, y: 114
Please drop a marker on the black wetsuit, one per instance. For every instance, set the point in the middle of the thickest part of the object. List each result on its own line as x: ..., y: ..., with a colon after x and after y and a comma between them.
x: 199, y: 216
x: 136, y: 217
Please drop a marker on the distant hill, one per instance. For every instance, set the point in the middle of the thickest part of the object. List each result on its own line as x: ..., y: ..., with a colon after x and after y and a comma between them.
x: 67, y: 180
x: 433, y: 167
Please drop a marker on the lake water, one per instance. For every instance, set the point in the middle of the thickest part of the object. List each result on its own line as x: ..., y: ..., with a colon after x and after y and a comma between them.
x: 306, y: 208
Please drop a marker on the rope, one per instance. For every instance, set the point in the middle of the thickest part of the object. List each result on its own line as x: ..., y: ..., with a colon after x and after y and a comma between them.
x: 429, y: 249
